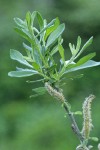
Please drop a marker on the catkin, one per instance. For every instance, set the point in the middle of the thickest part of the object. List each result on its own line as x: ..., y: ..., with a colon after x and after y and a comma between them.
x: 87, y: 124
x: 53, y: 92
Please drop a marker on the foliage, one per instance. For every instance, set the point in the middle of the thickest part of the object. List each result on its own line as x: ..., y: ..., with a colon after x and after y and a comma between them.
x: 43, y: 43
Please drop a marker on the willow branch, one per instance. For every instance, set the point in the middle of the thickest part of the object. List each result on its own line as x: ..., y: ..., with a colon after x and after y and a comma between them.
x: 59, y: 95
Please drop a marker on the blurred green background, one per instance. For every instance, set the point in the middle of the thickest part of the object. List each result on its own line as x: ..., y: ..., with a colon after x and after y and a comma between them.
x: 39, y: 123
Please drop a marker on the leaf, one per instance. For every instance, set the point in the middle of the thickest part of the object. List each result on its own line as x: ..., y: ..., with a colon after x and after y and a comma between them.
x: 43, y: 50
x: 51, y: 23
x: 28, y: 50
x: 52, y: 68
x: 16, y: 55
x: 78, y: 43
x: 19, y: 22
x: 82, y: 61
x: 54, y: 50
x: 24, y: 34
x: 36, y: 66
x: 22, y: 73
x: 87, y: 44
x: 61, y: 51
x: 71, y: 48
x: 52, y: 28
x: 28, y: 19
x: 37, y: 57
x: 85, y: 59
x: 77, y: 113
x: 27, y: 47
x: 88, y: 64
x: 29, y: 59
x: 94, y: 139
x: 40, y: 20
x: 55, y: 34
x: 35, y: 81
x: 39, y: 91
x: 71, y: 77
x: 33, y: 15
x: 74, y: 50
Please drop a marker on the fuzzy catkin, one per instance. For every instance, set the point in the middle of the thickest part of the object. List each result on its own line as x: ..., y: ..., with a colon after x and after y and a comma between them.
x: 87, y: 124
x: 53, y: 92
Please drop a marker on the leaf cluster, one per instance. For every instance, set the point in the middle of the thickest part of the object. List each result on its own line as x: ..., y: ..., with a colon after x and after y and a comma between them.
x: 44, y: 41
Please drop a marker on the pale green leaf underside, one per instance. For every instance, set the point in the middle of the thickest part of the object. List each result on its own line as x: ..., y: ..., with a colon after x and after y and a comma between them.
x: 88, y: 64
x: 22, y: 73
x: 16, y: 55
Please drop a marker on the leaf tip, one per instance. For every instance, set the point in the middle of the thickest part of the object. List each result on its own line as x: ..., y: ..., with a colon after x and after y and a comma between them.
x: 9, y: 74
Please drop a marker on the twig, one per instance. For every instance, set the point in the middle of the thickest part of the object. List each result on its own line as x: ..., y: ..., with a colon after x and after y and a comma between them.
x: 59, y: 95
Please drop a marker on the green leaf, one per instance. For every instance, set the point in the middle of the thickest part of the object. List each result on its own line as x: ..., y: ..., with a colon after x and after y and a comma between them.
x: 77, y: 113
x: 55, y: 35
x: 22, y: 73
x: 39, y: 91
x: 71, y: 48
x: 88, y: 64
x: 87, y: 44
x: 85, y: 59
x: 52, y: 28
x: 54, y: 50
x: 27, y: 47
x: 20, y: 22
x: 36, y: 66
x: 24, y: 34
x: 29, y: 59
x: 40, y: 20
x: 33, y: 15
x: 37, y: 57
x: 52, y: 68
x: 16, y: 55
x: 28, y: 19
x: 82, y: 61
x: 71, y: 77
x: 78, y: 43
x: 74, y: 50
x: 61, y: 51
x: 40, y: 80
x: 94, y: 139
x: 28, y: 50
x: 50, y: 24
x: 43, y: 50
